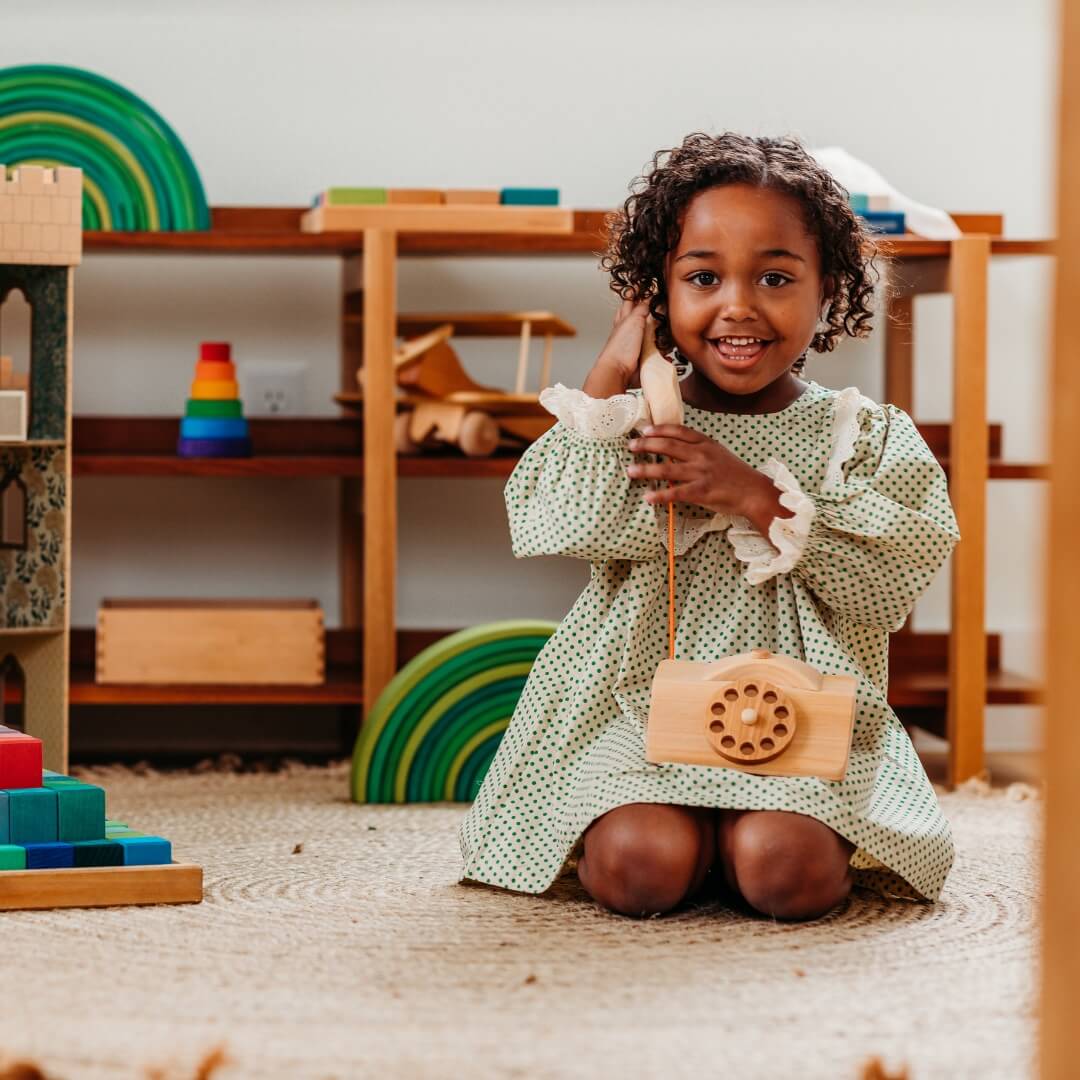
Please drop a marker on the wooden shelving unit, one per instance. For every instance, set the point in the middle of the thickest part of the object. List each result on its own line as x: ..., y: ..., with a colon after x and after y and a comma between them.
x: 926, y: 681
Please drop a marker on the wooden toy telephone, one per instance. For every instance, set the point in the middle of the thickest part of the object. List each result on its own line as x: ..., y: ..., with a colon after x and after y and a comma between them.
x: 758, y: 712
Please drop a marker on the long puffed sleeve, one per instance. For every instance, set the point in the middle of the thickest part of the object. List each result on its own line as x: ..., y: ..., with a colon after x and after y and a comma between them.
x: 873, y: 538
x: 570, y: 495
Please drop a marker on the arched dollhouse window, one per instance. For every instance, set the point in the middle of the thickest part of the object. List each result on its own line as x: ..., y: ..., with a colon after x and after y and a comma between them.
x: 16, y: 318
x: 12, y: 693
x: 12, y: 511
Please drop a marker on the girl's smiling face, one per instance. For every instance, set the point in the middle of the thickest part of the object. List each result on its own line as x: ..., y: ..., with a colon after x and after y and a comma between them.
x: 745, y: 267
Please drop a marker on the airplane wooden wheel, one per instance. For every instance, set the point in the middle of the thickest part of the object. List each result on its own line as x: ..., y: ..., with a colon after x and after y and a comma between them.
x: 479, y: 435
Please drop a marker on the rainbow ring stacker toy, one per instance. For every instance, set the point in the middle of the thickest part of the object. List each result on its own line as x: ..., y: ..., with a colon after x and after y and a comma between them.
x: 758, y: 712
x: 213, y: 423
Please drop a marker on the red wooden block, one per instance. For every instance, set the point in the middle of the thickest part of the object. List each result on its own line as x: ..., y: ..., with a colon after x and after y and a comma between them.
x: 20, y: 761
x: 216, y: 351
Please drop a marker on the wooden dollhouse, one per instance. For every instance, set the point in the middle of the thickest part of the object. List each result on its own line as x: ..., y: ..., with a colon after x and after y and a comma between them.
x: 40, y: 244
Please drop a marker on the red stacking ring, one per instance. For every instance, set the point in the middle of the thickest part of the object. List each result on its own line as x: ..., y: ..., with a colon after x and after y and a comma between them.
x: 217, y: 351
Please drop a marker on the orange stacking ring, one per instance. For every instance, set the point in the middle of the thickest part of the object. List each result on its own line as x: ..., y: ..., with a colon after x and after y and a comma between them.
x: 212, y: 369
x: 214, y: 389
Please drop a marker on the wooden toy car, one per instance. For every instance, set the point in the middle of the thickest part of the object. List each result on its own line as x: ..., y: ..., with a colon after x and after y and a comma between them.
x: 440, y: 404
x: 758, y: 712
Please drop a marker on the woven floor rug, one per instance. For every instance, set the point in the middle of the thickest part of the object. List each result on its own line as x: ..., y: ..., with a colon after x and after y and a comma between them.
x: 334, y: 941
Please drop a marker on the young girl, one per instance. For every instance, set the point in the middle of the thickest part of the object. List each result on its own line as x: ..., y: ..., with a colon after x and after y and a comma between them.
x: 808, y: 523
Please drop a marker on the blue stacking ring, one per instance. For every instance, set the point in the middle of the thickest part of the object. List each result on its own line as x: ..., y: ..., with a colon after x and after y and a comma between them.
x: 210, y: 427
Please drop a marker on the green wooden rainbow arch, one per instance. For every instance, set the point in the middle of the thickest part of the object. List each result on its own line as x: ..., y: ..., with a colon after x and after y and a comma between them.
x: 136, y: 173
x: 434, y: 730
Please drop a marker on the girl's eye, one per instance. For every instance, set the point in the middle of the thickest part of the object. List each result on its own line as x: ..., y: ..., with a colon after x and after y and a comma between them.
x: 703, y: 278
x: 778, y: 279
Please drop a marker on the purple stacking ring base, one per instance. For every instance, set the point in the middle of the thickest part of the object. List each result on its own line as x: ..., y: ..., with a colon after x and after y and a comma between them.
x: 214, y: 447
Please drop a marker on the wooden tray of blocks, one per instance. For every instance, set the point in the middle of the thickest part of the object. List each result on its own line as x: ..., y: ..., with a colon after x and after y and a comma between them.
x: 58, y: 849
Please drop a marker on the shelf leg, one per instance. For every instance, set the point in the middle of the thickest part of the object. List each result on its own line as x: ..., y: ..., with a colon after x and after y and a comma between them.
x: 350, y: 518
x: 969, y: 473
x: 899, y: 354
x: 380, y: 463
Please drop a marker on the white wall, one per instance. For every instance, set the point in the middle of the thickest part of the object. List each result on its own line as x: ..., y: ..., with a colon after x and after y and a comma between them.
x: 952, y: 102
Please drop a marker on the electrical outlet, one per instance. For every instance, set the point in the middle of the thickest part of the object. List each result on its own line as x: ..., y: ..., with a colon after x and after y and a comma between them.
x: 274, y: 388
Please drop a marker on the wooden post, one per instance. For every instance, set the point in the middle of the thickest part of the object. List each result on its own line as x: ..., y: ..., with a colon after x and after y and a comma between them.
x: 969, y: 472
x: 545, y: 369
x: 523, y: 357
x: 380, y: 463
x: 350, y: 495
x: 1061, y: 870
x: 899, y: 352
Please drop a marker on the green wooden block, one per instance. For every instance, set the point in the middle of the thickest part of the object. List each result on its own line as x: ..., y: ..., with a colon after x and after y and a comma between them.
x: 355, y: 196
x: 111, y: 824
x: 122, y: 834
x: 12, y: 857
x: 98, y: 853
x: 32, y: 816
x: 80, y: 812
x: 229, y: 409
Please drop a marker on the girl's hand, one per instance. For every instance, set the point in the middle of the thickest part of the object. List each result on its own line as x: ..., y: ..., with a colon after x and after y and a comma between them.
x: 703, y: 472
x: 616, y: 367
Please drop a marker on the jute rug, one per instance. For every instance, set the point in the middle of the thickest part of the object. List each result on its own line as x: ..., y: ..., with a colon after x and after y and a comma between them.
x: 334, y: 941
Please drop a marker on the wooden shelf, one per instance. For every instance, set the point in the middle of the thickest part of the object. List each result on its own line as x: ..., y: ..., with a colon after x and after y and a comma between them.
x: 331, y: 446
x: 270, y: 230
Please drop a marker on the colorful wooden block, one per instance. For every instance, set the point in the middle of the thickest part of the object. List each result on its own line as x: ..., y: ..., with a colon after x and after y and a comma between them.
x: 20, y: 761
x: 80, y: 812
x: 215, y: 389
x: 12, y: 857
x: 98, y: 853
x: 49, y: 856
x: 120, y: 834
x: 213, y: 369
x: 414, y: 196
x: 214, y: 448
x: 215, y: 351
x: 529, y: 197
x: 472, y: 196
x: 32, y: 816
x: 145, y: 850
x: 354, y: 196
x: 199, y: 427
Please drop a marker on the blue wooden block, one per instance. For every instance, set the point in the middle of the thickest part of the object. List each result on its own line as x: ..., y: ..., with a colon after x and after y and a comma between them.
x: 80, y: 812
x: 32, y: 816
x: 214, y: 448
x: 529, y: 196
x: 98, y: 853
x: 54, y: 856
x: 145, y: 850
x: 890, y: 222
x: 858, y: 202
x: 5, y: 820
x: 210, y: 427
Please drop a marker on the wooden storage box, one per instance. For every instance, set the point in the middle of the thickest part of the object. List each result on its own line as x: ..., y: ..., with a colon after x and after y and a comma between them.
x: 262, y: 642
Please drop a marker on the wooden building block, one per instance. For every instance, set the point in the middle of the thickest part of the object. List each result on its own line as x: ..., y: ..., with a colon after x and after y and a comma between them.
x: 32, y: 816
x: 14, y: 416
x: 80, y: 811
x: 100, y: 886
x: 529, y: 197
x: 20, y: 761
x: 120, y: 834
x: 472, y: 196
x: 98, y: 853
x: 414, y: 196
x: 145, y: 850
x: 49, y: 856
x: 12, y: 857
x: 354, y: 196
x: 262, y: 642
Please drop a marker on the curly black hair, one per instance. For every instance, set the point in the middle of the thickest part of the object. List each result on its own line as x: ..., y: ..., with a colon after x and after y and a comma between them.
x: 647, y: 228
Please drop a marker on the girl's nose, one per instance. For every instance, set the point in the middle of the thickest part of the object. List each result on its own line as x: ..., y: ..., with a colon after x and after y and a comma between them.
x: 736, y: 301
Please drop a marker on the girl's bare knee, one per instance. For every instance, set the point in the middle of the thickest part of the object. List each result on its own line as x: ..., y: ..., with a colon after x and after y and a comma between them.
x: 789, y: 866
x: 643, y: 861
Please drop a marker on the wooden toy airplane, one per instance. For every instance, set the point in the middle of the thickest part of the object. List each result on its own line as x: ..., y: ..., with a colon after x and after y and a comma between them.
x: 441, y: 404
x: 758, y: 712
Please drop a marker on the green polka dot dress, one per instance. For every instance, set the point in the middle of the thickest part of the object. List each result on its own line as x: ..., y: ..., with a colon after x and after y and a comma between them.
x: 871, y: 526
